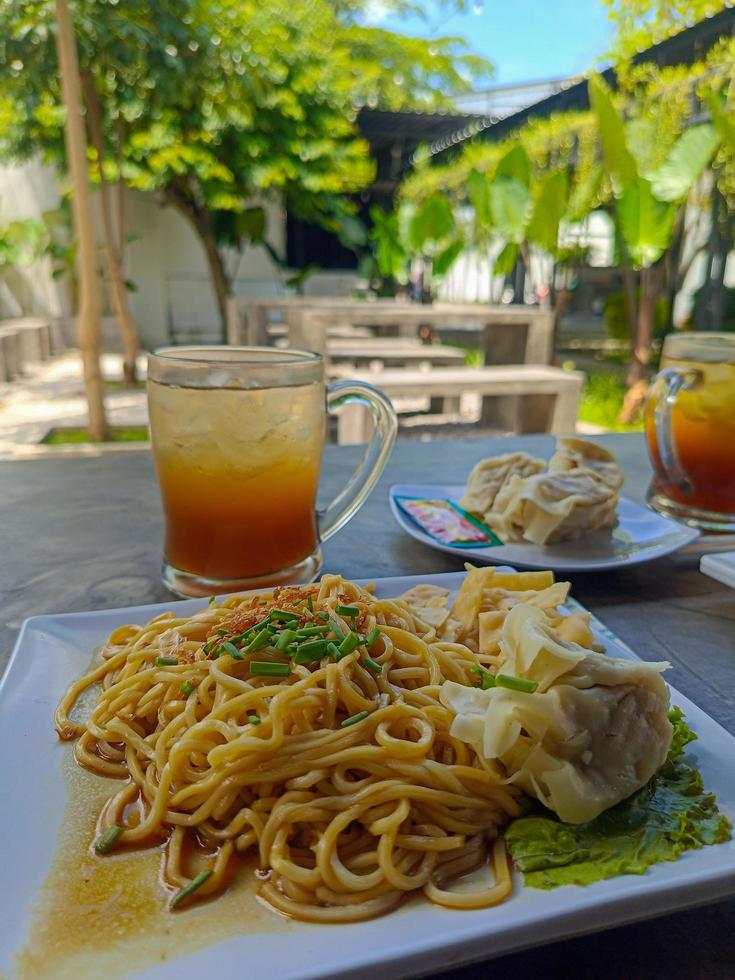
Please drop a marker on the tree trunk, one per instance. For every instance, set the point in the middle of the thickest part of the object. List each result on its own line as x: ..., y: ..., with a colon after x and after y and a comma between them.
x: 76, y: 150
x: 220, y: 282
x: 652, y: 280
x: 113, y: 255
x: 201, y: 222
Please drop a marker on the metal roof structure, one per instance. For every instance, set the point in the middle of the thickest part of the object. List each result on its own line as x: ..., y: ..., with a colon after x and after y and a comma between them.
x: 686, y: 47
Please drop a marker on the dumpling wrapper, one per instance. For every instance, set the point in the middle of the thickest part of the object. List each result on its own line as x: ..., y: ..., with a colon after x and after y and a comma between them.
x: 579, y: 454
x: 553, y: 507
x: 595, y: 731
x: 489, y: 476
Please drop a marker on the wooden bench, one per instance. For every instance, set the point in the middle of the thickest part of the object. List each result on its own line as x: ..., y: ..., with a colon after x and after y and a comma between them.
x: 24, y: 341
x: 508, y: 334
x: 345, y: 331
x: 557, y: 391
x: 394, y: 352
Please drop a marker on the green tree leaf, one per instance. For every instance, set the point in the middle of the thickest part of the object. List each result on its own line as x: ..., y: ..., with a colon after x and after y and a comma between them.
x: 585, y: 192
x: 618, y: 160
x: 442, y: 263
x: 510, y: 206
x: 549, y: 209
x: 506, y: 261
x: 478, y: 191
x: 646, y: 223
x: 723, y: 120
x: 432, y: 222
x: 515, y: 165
x: 687, y: 159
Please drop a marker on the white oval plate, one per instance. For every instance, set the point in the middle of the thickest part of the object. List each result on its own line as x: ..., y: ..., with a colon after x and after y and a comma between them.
x: 640, y: 535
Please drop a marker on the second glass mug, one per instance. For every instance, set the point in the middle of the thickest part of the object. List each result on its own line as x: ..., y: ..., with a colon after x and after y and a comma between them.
x: 690, y: 428
x: 237, y: 435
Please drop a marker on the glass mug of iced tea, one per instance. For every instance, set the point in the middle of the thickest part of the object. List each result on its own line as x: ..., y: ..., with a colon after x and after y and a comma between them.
x: 237, y: 436
x: 690, y: 428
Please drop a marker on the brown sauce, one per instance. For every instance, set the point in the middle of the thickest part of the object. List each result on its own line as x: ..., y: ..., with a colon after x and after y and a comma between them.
x: 108, y: 916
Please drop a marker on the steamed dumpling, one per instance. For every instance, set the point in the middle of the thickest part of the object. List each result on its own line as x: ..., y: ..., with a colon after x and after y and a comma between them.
x: 578, y: 454
x: 595, y: 730
x: 551, y: 507
x: 489, y: 477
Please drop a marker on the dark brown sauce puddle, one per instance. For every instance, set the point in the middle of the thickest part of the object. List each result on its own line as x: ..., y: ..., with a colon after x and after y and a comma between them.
x: 108, y: 917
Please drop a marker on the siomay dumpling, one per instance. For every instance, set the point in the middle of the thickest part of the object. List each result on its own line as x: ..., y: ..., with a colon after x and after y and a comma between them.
x: 489, y: 476
x: 579, y: 454
x: 550, y: 507
x: 594, y: 731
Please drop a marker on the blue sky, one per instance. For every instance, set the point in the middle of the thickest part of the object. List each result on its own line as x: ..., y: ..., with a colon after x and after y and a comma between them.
x: 527, y: 40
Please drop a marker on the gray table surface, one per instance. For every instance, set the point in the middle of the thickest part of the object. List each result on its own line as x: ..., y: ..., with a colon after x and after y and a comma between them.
x: 85, y: 533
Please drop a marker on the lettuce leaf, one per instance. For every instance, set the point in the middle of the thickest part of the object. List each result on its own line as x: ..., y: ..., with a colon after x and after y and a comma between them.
x: 671, y: 814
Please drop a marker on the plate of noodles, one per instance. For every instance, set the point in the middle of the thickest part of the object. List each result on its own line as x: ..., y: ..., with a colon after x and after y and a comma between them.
x: 408, y: 759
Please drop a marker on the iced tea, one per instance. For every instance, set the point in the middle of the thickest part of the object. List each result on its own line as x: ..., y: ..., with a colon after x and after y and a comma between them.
x: 238, y: 470
x: 702, y: 424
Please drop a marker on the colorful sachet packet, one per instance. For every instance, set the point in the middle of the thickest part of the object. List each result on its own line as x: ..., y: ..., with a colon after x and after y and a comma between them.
x: 447, y: 523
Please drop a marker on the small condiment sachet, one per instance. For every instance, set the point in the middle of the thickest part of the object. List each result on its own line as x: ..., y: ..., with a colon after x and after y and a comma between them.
x: 447, y: 523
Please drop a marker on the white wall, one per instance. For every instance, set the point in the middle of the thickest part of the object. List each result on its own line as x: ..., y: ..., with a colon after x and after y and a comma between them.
x: 26, y: 191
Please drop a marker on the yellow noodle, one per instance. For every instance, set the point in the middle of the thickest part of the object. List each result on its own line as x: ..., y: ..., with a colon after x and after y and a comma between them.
x: 344, y: 821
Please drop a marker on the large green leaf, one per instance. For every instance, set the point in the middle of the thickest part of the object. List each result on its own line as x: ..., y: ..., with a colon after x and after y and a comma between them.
x: 443, y: 262
x: 687, y: 159
x: 510, y: 206
x: 390, y: 255
x: 619, y: 162
x: 723, y: 120
x: 505, y: 262
x: 478, y: 191
x: 549, y: 209
x: 432, y: 222
x: 515, y: 165
x: 646, y: 223
x: 585, y: 193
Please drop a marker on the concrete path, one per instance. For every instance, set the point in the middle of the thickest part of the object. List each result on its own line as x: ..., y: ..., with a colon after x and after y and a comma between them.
x: 53, y: 395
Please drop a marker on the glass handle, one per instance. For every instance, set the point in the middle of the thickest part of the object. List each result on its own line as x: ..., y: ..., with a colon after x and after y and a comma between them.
x: 362, y: 481
x: 663, y: 394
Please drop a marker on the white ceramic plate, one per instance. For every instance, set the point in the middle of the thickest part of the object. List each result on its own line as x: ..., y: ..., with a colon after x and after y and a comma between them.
x: 53, y: 650
x: 640, y: 535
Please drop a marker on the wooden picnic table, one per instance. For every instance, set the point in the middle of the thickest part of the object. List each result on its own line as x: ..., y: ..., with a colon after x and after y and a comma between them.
x: 85, y: 533
x: 512, y: 334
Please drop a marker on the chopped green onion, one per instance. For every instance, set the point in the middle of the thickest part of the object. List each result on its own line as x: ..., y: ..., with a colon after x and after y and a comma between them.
x: 187, y: 688
x: 516, y: 683
x: 309, y: 604
x: 253, y: 719
x: 231, y: 649
x: 108, y: 840
x: 336, y: 630
x: 212, y: 600
x: 324, y: 616
x: 251, y: 630
x: 333, y: 651
x: 353, y: 719
x: 373, y: 665
x: 268, y: 668
x: 312, y: 631
x: 167, y: 662
x: 208, y: 647
x: 487, y: 680
x: 351, y: 642
x: 351, y: 612
x: 282, y: 615
x: 182, y: 895
x: 222, y: 632
x: 308, y: 652
x: 372, y: 636
x: 259, y: 641
x: 285, y: 639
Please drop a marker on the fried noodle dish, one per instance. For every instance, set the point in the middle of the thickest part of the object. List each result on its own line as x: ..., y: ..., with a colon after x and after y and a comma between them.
x: 342, y: 741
